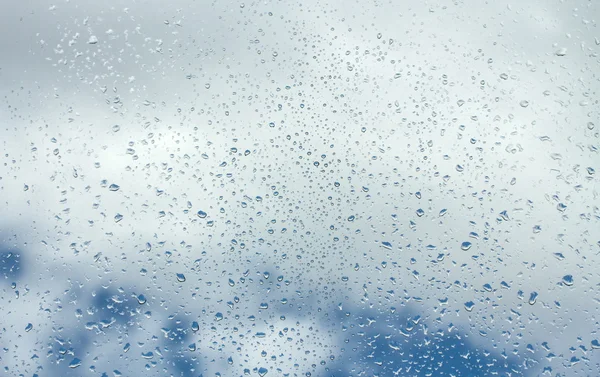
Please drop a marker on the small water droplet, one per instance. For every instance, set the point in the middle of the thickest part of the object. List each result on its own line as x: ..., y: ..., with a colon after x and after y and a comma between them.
x: 118, y: 217
x: 202, y: 214
x: 28, y: 327
x: 180, y: 278
x: 218, y: 316
x: 114, y: 187
x: 262, y: 371
x: 195, y: 326
x: 465, y: 245
x: 93, y: 40
x: 524, y: 103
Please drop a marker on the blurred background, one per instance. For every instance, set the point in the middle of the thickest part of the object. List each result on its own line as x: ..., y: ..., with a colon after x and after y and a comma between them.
x: 338, y: 188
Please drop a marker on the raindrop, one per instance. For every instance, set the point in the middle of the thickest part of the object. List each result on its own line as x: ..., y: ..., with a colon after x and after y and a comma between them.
x: 561, y: 51
x: 114, y: 187
x: 469, y: 305
x: 524, y: 103
x: 28, y: 327
x: 141, y: 299
x: 465, y: 245
x: 180, y: 278
x: 568, y: 280
x: 202, y: 214
x: 533, y: 298
x: 93, y: 40
x: 75, y: 363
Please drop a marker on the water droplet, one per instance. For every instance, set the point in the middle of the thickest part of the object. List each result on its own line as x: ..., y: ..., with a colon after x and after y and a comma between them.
x: 504, y: 76
x: 180, y: 278
x: 595, y: 344
x: 75, y: 363
x: 568, y: 280
x: 147, y: 355
x: 28, y: 327
x: 420, y: 212
x: 93, y: 40
x: 465, y: 245
x: 469, y: 305
x: 195, y: 326
x: 202, y: 214
x: 460, y: 168
x: 126, y: 348
x: 207, y: 86
x: 118, y: 217
x: 141, y: 299
x: 386, y: 245
x: 418, y: 194
x: 533, y: 298
x: 351, y: 218
x: 561, y: 51
x: 218, y: 316
x: 116, y: 128
x: 114, y: 187
x: 262, y: 371
x: 264, y: 306
x: 524, y: 103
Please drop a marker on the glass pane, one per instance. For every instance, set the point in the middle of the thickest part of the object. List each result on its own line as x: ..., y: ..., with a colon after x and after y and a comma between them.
x: 321, y: 188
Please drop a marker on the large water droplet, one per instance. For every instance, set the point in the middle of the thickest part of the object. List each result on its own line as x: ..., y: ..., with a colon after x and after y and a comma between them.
x: 469, y: 305
x: 533, y: 298
x: 75, y: 363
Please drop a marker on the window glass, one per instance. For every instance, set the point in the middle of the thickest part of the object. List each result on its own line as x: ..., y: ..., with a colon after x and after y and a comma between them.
x: 282, y: 188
